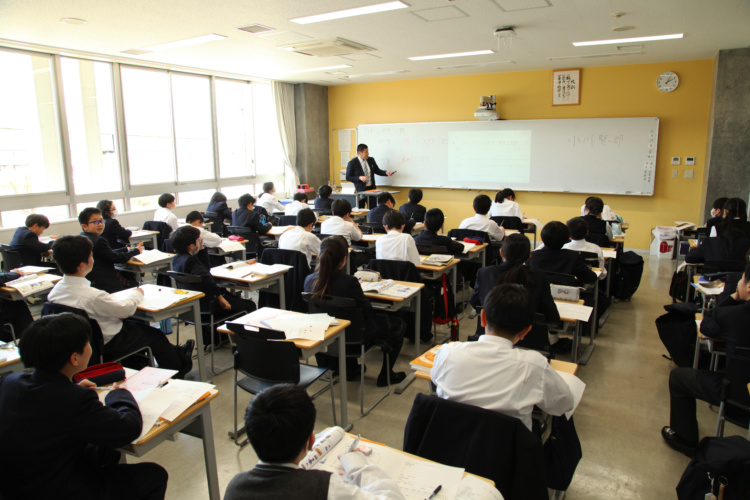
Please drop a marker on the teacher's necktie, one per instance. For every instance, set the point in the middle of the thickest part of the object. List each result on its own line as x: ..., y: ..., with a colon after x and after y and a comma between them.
x: 366, y: 169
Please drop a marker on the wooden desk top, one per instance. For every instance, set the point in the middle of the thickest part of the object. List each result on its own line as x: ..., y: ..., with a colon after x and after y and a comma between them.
x: 424, y: 267
x: 395, y: 299
x: 142, y: 232
x: 255, y: 278
x: 478, y: 248
x: 133, y: 262
x: 12, y: 356
x: 618, y: 239
x: 255, y: 318
x: 371, y: 237
x: 278, y: 230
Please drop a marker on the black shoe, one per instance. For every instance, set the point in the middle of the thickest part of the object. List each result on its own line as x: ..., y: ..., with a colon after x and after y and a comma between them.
x: 396, y: 378
x: 677, y: 443
x: 186, y: 355
x: 563, y: 345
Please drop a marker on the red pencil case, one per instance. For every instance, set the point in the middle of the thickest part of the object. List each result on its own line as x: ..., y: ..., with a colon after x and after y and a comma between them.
x: 234, y: 237
x: 474, y: 239
x: 102, y: 374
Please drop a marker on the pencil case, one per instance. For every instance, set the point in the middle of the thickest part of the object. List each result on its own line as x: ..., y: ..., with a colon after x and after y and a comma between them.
x: 474, y: 239
x: 102, y: 374
x: 234, y: 237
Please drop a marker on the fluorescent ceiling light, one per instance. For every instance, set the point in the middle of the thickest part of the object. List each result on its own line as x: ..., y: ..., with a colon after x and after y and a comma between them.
x: 629, y: 40
x: 358, y: 11
x: 379, y: 74
x: 455, y: 54
x: 324, y: 68
x: 477, y: 65
x: 186, y: 42
x: 609, y: 54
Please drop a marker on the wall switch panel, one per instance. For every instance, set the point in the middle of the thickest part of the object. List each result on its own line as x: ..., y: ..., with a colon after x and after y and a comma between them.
x: 674, y: 174
x: 690, y: 160
x: 689, y: 174
x: 675, y: 160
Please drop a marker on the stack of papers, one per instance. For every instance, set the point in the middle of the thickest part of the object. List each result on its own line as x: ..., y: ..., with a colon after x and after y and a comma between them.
x: 33, y: 269
x: 239, y: 270
x: 437, y: 259
x: 301, y: 326
x: 574, y: 311
x: 467, y: 246
x: 231, y: 246
x: 158, y: 297
x: 388, y: 288
x: 151, y: 256
x: 31, y: 284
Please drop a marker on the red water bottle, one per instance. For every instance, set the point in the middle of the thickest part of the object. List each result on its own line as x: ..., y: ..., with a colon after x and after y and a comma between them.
x: 454, y: 330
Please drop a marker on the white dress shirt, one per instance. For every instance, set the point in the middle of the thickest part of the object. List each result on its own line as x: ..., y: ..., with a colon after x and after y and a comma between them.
x: 166, y: 215
x: 505, y: 209
x: 302, y: 241
x: 482, y: 223
x: 104, y: 307
x: 295, y: 207
x: 585, y: 246
x: 270, y: 203
x: 492, y: 375
x: 210, y: 240
x: 607, y: 213
x: 335, y: 225
x: 397, y: 246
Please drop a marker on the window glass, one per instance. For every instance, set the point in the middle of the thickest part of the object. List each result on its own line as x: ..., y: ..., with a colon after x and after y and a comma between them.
x: 234, y: 117
x: 144, y: 203
x: 148, y: 125
x: 195, y: 197
x: 268, y: 154
x: 17, y: 218
x: 30, y: 152
x: 191, y: 102
x: 90, y: 113
x: 80, y: 206
x: 234, y: 192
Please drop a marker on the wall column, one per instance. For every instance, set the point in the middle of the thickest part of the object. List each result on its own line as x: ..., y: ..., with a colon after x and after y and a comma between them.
x: 311, y: 115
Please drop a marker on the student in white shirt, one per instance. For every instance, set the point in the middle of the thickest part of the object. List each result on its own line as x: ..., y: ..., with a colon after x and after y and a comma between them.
x: 299, y: 203
x: 505, y: 205
x: 164, y: 214
x: 480, y: 221
x: 268, y: 201
x: 279, y: 423
x: 341, y: 223
x: 195, y: 219
x: 396, y: 245
x: 301, y: 238
x: 579, y: 228
x: 493, y: 375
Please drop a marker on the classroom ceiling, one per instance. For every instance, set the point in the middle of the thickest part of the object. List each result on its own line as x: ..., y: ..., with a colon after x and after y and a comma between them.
x: 545, y: 30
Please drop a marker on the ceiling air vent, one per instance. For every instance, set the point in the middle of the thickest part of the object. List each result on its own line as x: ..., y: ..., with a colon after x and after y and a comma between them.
x: 327, y: 47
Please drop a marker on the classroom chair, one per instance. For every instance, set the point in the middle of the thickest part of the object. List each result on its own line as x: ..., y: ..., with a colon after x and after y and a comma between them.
x: 265, y: 360
x: 508, y: 222
x: 323, y: 211
x: 598, y: 239
x: 376, y: 227
x: 735, y: 398
x: 253, y: 243
x: 431, y: 249
x: 164, y: 231
x: 287, y: 220
x: 213, y: 217
x: 294, y: 279
x: 11, y: 258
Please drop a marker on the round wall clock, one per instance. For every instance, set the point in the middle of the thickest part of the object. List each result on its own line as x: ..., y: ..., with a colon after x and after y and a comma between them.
x: 667, y: 81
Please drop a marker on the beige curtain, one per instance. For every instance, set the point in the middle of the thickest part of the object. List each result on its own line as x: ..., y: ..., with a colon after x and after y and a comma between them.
x: 283, y: 97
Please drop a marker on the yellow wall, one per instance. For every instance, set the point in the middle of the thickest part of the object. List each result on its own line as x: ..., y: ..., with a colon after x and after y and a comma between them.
x: 606, y: 91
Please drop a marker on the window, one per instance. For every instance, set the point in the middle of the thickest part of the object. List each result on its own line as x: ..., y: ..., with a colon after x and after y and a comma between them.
x: 268, y: 153
x: 17, y: 218
x: 195, y: 197
x: 234, y: 117
x: 234, y: 192
x: 30, y: 152
x: 90, y: 113
x: 191, y: 102
x: 144, y: 203
x: 80, y: 206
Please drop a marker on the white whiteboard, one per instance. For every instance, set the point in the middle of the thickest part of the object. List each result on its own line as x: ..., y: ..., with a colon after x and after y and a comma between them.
x: 592, y: 155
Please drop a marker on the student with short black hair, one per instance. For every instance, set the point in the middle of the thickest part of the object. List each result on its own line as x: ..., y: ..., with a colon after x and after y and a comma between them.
x: 279, y: 423
x: 412, y: 209
x: 594, y: 209
x: 195, y: 219
x: 299, y: 202
x: 301, y: 237
x: 75, y: 257
x: 116, y: 235
x: 268, y: 201
x: 26, y: 240
x: 717, y: 215
x: 480, y: 221
x: 341, y: 222
x: 63, y: 429
x: 164, y: 213
x: 735, y: 218
x: 578, y: 229
x: 324, y: 200
x: 386, y: 203
x: 552, y: 257
x: 433, y: 221
x: 245, y: 216
x: 505, y: 205
x: 396, y: 245
x: 218, y: 205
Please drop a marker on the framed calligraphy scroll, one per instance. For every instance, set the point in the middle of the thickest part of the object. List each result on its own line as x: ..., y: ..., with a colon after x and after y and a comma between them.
x: 566, y: 87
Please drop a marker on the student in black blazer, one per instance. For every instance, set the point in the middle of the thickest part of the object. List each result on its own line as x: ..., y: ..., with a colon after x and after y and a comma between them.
x: 114, y: 233
x: 735, y: 218
x: 324, y: 200
x: 245, y: 216
x: 15, y: 312
x: 218, y: 205
x: 26, y: 240
x: 730, y: 246
x: 385, y: 205
x: 555, y: 259
x: 329, y: 279
x: 717, y: 213
x: 104, y: 276
x: 594, y: 208
x: 433, y: 221
x: 412, y: 209
x: 63, y: 439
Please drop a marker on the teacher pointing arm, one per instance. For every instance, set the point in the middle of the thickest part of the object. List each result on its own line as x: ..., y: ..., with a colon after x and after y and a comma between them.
x: 362, y: 168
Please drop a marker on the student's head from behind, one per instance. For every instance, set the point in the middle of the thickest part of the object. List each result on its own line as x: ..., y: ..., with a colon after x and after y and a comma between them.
x: 594, y: 205
x: 482, y: 204
x: 717, y: 208
x: 57, y: 342
x: 108, y: 208
x: 91, y: 220
x: 217, y: 197
x: 37, y: 223
x: 393, y: 219
x: 341, y: 208
x: 166, y: 200
x: 508, y: 311
x: 268, y: 187
x: 415, y: 195
x: 300, y: 197
x: 578, y: 228
x: 333, y: 254
x: 279, y: 423
x: 735, y: 208
x: 362, y: 151
x: 555, y: 234
x: 325, y: 191
x: 194, y: 218
x: 185, y: 239
x: 386, y: 199
x: 73, y: 253
x: 246, y: 201
x: 306, y: 218
x: 505, y: 194
x: 516, y: 249
x: 433, y: 219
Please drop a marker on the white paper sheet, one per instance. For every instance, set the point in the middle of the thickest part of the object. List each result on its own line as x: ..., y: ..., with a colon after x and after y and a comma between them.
x: 344, y: 158
x: 231, y: 246
x: 152, y: 404
x: 160, y: 297
x: 34, y: 269
x: 188, y: 393
x: 345, y: 140
x: 473, y: 488
x: 301, y: 326
x: 609, y: 254
x: 574, y: 311
x: 151, y: 256
x: 147, y: 378
x: 576, y: 387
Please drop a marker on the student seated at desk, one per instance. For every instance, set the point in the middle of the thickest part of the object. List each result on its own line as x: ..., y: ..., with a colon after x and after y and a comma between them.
x: 727, y: 321
x: 15, y: 312
x: 386, y: 204
x: 396, y: 245
x: 607, y: 212
x: 597, y: 225
x: 301, y: 237
x: 412, y: 210
x: 245, y: 216
x: 735, y: 218
x: 63, y: 438
x: 492, y: 374
x: 433, y: 221
x: 26, y: 240
x: 578, y: 229
x: 553, y: 258
x: 186, y: 242
x: 195, y: 219
x: 279, y: 423
x: 299, y: 202
x: 165, y: 214
x: 480, y: 221
x: 75, y: 257
x: 218, y: 205
x: 341, y: 222
x: 717, y: 215
x: 114, y: 233
x: 324, y: 200
x: 104, y: 276
x: 268, y: 201
x: 328, y: 279
x: 505, y: 205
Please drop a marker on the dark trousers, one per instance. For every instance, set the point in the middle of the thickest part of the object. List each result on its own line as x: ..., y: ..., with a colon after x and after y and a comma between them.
x: 135, y: 335
x: 17, y: 313
x: 685, y: 386
x: 388, y: 332
x: 143, y: 481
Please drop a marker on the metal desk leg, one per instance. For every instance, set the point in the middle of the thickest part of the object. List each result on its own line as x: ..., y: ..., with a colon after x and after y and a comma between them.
x: 609, y: 274
x: 209, y: 454
x: 155, y: 242
x: 343, y: 401
x: 454, y: 282
x: 417, y: 316
x: 576, y: 343
x: 199, y: 340
x: 282, y: 294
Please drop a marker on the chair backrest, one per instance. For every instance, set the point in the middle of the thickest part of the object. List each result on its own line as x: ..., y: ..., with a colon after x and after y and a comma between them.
x: 508, y: 222
x: 262, y: 355
x: 562, y: 279
x: 377, y: 227
x: 590, y: 258
x: 416, y: 216
x: 342, y: 308
x: 11, y: 258
x: 97, y: 339
x: 212, y: 217
x: 294, y: 279
x: 323, y: 211
x: 163, y: 228
x: 460, y: 234
x: 431, y: 249
x: 599, y: 239
x: 253, y: 245
x: 399, y: 270
x: 287, y: 220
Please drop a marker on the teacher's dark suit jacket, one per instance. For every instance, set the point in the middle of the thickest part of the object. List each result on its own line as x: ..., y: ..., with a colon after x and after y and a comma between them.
x: 28, y: 245
x: 104, y: 276
x: 48, y: 423
x: 354, y: 171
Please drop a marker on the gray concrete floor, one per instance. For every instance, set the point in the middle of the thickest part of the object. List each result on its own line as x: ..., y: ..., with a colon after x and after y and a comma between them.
x: 619, y: 419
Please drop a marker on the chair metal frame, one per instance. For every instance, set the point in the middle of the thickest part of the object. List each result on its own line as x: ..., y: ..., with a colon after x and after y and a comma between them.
x: 735, y: 389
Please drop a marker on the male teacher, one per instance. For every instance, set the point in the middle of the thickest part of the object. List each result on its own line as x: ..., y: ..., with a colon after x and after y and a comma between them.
x: 361, y: 172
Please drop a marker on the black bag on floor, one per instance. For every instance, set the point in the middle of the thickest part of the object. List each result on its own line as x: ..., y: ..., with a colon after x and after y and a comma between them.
x: 627, y: 275
x: 562, y: 452
x: 678, y: 287
x: 677, y: 331
x: 717, y: 461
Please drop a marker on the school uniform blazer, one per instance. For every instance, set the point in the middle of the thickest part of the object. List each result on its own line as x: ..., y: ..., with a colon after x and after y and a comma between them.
x: 345, y: 285
x: 190, y: 264
x: 324, y: 203
x: 103, y: 275
x: 354, y: 170
x: 250, y: 219
x: 413, y: 211
x: 730, y: 246
x: 729, y: 319
x: 432, y: 238
x: 714, y: 222
x: 596, y: 225
x: 223, y: 211
x: 28, y: 245
x: 114, y: 232
x: 376, y: 215
x: 48, y: 422
x: 562, y: 261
